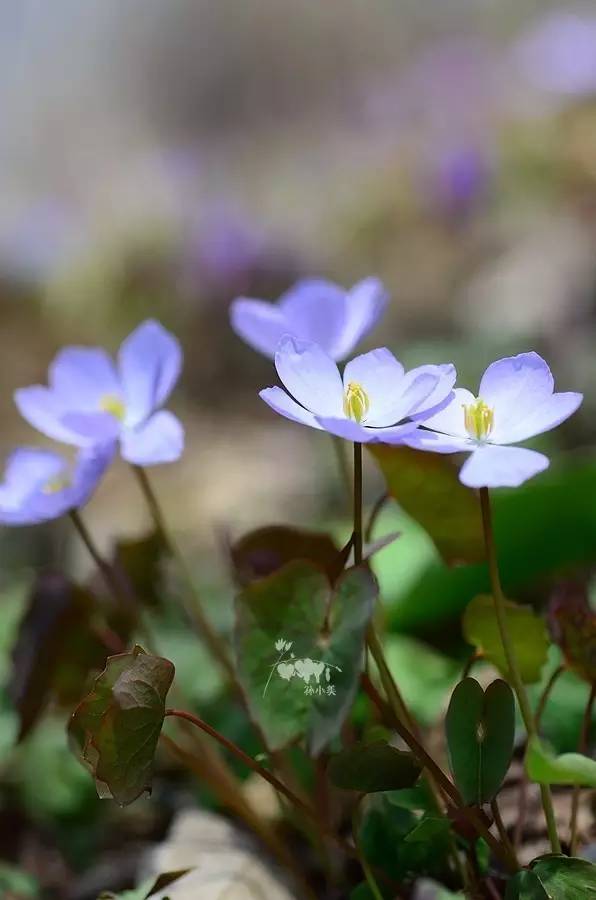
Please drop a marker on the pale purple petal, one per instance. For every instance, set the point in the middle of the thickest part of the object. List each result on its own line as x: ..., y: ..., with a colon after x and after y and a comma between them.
x: 492, y: 466
x: 513, y: 387
x: 450, y: 419
x: 436, y: 442
x: 28, y: 469
x: 89, y: 469
x: 415, y: 387
x: 442, y: 395
x: 310, y: 376
x: 158, y: 440
x: 380, y: 374
x: 149, y: 363
x: 81, y: 377
x: 262, y: 325
x: 546, y: 415
x: 364, y: 306
x: 283, y: 404
x: 39, y: 406
x: 92, y: 427
x: 315, y: 310
x: 396, y: 434
x: 346, y: 428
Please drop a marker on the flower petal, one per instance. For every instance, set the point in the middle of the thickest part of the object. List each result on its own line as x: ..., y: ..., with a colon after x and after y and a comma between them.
x: 310, y: 375
x: 441, y: 396
x: 149, y: 362
x: 364, y: 306
x: 492, y: 466
x: 412, y: 392
x: 546, y: 415
x: 450, y: 419
x: 158, y: 440
x: 346, y: 428
x: 81, y: 376
x: 380, y: 374
x: 90, y: 468
x: 39, y: 406
x: 435, y: 442
x: 23, y: 500
x: 92, y: 427
x: 262, y: 325
x: 513, y: 387
x: 315, y: 310
x: 283, y: 404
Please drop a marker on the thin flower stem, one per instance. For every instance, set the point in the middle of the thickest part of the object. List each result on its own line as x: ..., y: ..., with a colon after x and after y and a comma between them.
x: 546, y: 694
x: 512, y: 664
x: 368, y: 874
x: 194, y: 610
x: 501, y: 827
x: 582, y: 748
x: 400, y: 714
x: 104, y: 568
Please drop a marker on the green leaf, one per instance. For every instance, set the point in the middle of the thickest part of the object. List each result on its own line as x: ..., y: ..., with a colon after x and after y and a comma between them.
x: 299, y: 647
x: 480, y: 729
x: 115, y: 729
x: 373, y: 767
x: 266, y: 550
x: 428, y: 828
x: 56, y: 648
x: 543, y: 767
x: 566, y: 878
x: 427, y: 487
x: 16, y: 883
x: 424, y: 675
x: 527, y: 631
x: 525, y: 886
x: 149, y: 887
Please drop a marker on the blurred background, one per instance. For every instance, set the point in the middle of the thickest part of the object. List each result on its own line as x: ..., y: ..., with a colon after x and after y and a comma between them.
x: 159, y: 159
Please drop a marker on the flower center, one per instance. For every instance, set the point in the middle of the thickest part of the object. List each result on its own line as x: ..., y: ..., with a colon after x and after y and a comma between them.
x: 113, y: 405
x: 356, y: 403
x: 479, y: 419
x: 56, y: 484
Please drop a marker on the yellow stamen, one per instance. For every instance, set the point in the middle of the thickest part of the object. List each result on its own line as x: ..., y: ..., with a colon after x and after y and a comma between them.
x: 356, y: 403
x: 479, y: 419
x: 57, y: 484
x: 111, y: 404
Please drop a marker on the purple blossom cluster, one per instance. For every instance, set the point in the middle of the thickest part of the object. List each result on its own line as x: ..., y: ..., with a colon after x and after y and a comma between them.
x: 100, y: 405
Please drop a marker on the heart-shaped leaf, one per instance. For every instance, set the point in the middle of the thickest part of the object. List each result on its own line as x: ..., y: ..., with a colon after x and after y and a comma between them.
x: 544, y: 767
x: 554, y: 877
x: 373, y: 767
x: 427, y: 487
x: 266, y: 550
x: 527, y: 632
x: 295, y: 619
x: 480, y: 729
x: 116, y: 727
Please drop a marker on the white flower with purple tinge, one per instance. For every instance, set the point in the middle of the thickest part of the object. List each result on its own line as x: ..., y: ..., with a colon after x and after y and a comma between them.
x: 516, y: 401
x: 90, y: 400
x: 312, y: 310
x: 375, y: 402
x: 40, y: 485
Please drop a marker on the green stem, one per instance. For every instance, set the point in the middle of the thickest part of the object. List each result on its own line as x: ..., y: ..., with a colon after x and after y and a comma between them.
x: 512, y: 664
x: 582, y: 748
x: 368, y: 874
x: 402, y: 721
x: 194, y: 610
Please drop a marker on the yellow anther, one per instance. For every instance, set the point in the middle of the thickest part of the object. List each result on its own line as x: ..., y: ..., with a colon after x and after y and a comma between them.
x: 113, y: 405
x: 57, y: 484
x: 479, y: 419
x: 356, y: 403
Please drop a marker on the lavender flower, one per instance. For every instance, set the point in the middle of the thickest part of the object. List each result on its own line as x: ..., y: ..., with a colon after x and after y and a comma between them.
x: 516, y: 401
x: 91, y: 401
x: 312, y: 310
x: 376, y: 401
x: 558, y: 53
x: 40, y: 485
